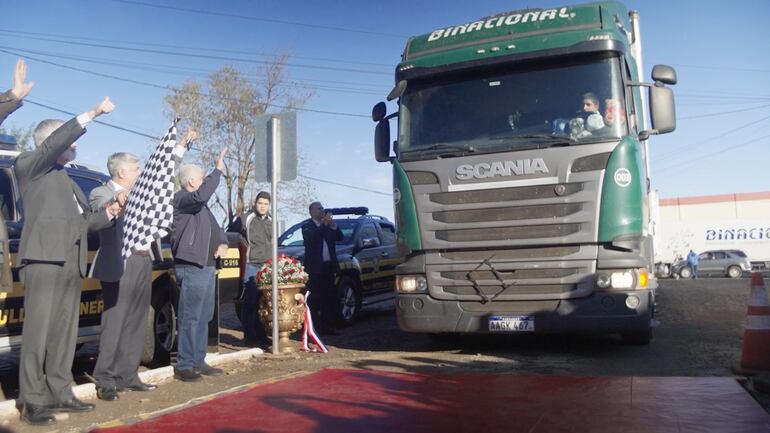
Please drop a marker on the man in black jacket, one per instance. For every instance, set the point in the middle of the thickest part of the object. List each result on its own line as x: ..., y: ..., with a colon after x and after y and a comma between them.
x: 320, y: 234
x: 257, y: 228
x: 196, y: 241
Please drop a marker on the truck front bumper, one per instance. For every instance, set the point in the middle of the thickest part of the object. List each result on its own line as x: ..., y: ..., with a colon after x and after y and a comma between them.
x: 601, y: 312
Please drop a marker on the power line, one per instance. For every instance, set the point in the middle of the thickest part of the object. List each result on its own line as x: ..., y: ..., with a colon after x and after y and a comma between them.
x: 209, y: 56
x: 691, y: 161
x: 265, y: 20
x: 700, y: 116
x: 179, y: 71
x: 314, y: 80
x: 107, y: 124
x: 19, y: 33
x: 141, y: 134
x: 746, y: 125
x: 717, y: 68
x: 160, y: 86
x: 345, y: 185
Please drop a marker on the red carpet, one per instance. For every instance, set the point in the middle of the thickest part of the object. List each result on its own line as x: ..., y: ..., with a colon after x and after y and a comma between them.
x: 375, y: 401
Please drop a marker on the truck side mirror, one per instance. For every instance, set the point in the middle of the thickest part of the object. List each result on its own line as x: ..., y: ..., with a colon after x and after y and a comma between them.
x: 662, y: 109
x: 382, y: 141
x: 664, y: 74
x: 369, y: 243
x: 379, y: 111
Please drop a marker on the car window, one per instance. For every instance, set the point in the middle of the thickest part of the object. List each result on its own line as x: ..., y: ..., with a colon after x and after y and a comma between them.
x: 347, y: 227
x: 719, y: 255
x: 86, y: 184
x: 293, y: 236
x: 7, y: 203
x: 704, y: 256
x: 368, y: 230
x: 738, y: 253
x: 388, y: 234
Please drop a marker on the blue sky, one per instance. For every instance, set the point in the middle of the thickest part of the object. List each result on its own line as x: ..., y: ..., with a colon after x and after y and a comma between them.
x: 718, y: 48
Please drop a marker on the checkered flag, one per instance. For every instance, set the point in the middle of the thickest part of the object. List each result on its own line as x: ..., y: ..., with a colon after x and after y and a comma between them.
x: 149, y: 210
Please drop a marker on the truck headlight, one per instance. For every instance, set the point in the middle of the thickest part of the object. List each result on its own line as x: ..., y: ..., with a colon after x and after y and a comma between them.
x: 411, y: 283
x: 622, y: 280
x: 629, y: 279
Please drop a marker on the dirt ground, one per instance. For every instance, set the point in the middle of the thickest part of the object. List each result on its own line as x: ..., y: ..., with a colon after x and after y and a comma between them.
x: 699, y: 331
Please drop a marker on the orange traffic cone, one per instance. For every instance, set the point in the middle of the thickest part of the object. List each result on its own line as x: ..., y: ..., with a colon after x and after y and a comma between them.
x: 756, y: 337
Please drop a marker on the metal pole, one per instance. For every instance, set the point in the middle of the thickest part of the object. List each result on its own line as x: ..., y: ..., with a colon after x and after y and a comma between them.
x: 274, y: 171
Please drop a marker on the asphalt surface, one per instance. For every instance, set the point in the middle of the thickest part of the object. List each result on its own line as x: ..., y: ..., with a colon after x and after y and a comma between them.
x: 698, y: 332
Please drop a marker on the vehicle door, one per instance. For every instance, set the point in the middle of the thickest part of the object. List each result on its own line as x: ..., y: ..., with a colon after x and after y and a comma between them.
x: 11, y: 293
x: 719, y: 262
x: 389, y: 257
x: 705, y: 262
x: 369, y: 255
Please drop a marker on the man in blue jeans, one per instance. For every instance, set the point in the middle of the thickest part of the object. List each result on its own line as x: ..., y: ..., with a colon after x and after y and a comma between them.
x: 196, y: 241
x: 692, y: 260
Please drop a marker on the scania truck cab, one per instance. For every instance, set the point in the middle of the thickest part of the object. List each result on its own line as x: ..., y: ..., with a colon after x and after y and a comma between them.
x: 521, y: 174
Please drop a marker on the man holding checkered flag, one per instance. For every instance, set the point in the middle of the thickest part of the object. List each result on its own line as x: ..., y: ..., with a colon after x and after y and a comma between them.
x: 124, y: 260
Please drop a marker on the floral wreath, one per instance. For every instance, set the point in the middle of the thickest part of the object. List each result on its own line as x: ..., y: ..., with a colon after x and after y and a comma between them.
x: 290, y: 271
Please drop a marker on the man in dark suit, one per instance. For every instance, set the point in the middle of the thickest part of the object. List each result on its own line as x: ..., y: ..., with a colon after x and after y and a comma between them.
x: 320, y: 234
x: 53, y: 255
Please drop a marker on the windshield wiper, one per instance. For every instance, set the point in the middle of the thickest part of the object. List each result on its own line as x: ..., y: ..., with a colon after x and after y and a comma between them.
x: 448, y: 146
x: 444, y: 146
x: 557, y: 139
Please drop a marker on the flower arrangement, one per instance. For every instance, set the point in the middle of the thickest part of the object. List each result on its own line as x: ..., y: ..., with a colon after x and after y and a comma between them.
x: 290, y: 271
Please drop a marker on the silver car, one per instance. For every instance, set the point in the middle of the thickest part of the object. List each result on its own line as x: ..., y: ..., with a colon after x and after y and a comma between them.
x: 731, y: 263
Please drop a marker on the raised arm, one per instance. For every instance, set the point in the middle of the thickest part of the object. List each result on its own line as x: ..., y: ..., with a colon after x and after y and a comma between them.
x: 10, y: 101
x: 39, y: 161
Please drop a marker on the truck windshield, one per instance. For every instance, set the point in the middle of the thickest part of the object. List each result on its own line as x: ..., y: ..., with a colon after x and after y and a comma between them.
x: 534, y: 105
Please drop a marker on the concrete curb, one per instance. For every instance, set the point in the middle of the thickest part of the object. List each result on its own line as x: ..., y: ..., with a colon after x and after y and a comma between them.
x: 87, y: 391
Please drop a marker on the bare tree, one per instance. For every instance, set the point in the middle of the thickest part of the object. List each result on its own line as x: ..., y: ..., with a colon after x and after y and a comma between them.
x: 224, y: 115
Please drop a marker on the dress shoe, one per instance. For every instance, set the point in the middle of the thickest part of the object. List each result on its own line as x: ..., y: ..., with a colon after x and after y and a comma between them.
x: 208, y: 370
x: 141, y: 387
x: 37, y: 415
x: 187, y: 375
x: 73, y: 405
x: 107, y: 394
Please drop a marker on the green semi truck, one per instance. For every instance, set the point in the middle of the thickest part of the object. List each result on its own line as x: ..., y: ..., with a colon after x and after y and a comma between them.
x: 521, y: 174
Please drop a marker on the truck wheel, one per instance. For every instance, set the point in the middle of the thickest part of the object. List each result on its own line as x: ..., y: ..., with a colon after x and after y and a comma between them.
x: 161, y: 329
x: 349, y: 296
x: 734, y: 272
x: 685, y: 272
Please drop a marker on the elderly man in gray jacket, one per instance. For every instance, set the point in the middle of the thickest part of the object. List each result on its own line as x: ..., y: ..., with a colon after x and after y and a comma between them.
x: 196, y: 241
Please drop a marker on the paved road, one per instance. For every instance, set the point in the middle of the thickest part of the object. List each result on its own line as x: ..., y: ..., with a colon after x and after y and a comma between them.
x: 699, y: 333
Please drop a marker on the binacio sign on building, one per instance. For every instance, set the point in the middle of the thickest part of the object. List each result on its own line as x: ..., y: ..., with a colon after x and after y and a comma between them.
x: 733, y: 234
x: 506, y: 20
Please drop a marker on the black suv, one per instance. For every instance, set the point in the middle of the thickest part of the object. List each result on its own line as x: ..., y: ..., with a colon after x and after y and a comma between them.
x: 162, y: 309
x: 367, y: 255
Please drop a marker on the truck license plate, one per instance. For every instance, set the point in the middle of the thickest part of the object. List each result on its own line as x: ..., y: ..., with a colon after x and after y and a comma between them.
x: 511, y: 324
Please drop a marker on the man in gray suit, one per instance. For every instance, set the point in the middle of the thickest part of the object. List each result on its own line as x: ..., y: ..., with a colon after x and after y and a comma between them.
x: 127, y: 289
x: 53, y: 255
